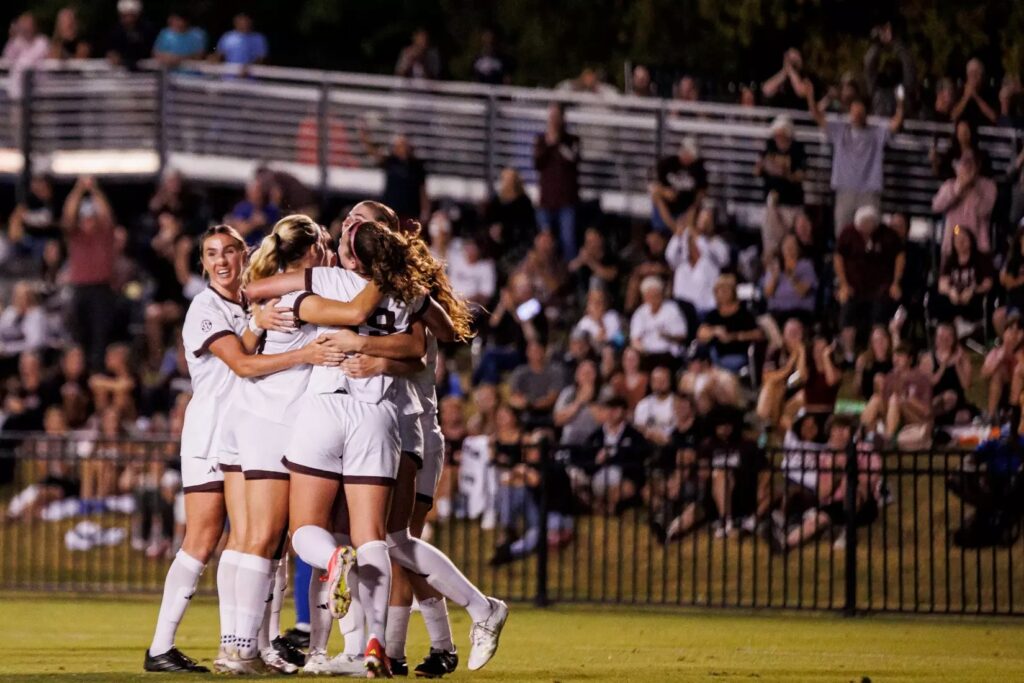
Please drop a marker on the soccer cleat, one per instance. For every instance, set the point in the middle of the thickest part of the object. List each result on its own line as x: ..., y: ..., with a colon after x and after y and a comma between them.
x: 243, y: 667
x: 173, y: 661
x: 318, y: 663
x: 399, y: 667
x: 288, y: 651
x: 338, y: 568
x: 347, y: 665
x: 375, y: 661
x: 275, y: 663
x: 437, y: 664
x: 484, y: 635
x: 297, y: 637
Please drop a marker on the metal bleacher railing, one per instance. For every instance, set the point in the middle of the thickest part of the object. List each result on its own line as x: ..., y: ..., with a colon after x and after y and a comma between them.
x: 215, y: 124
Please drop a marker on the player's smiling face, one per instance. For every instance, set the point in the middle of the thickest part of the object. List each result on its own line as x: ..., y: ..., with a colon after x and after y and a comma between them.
x: 222, y: 260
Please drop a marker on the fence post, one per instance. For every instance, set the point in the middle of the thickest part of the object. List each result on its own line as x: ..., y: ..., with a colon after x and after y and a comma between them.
x: 161, y: 117
x: 322, y: 140
x: 25, y: 132
x: 541, y: 599
x: 850, y: 507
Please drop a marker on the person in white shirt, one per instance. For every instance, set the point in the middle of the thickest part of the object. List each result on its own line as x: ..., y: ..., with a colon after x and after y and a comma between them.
x: 599, y: 323
x: 655, y: 414
x: 657, y: 328
x: 25, y: 49
x: 23, y: 323
x: 472, y: 277
x: 697, y: 256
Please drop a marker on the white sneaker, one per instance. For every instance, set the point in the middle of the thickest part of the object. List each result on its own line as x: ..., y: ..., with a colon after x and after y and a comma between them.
x: 275, y: 662
x: 339, y: 591
x: 317, y: 662
x: 348, y: 665
x: 483, y: 637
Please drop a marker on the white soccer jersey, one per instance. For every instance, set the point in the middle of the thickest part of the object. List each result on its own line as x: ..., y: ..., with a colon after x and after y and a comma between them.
x: 425, y: 381
x: 275, y: 397
x: 210, y: 317
x: 390, y: 317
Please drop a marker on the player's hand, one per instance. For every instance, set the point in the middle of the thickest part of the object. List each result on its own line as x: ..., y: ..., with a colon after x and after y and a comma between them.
x: 359, y: 366
x: 345, y: 341
x: 270, y: 316
x: 319, y: 352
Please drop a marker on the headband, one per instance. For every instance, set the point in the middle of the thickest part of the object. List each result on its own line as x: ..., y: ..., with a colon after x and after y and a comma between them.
x: 352, y: 244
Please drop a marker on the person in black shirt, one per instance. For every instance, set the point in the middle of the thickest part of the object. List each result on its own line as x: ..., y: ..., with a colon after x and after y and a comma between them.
x: 517, y: 319
x: 405, y: 177
x: 975, y: 102
x: 489, y: 65
x: 677, y: 494
x: 33, y: 220
x: 729, y: 329
x: 786, y: 89
x: 66, y: 42
x: 740, y: 476
x: 680, y: 186
x: 595, y: 266
x: 618, y: 452
x: 132, y: 40
x: 511, y: 221
x: 781, y: 167
x: 965, y: 279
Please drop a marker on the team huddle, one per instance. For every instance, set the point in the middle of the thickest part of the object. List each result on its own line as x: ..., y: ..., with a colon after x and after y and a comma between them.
x: 313, y: 423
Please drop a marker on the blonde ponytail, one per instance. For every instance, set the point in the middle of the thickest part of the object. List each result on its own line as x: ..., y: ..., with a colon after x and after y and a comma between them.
x: 263, y: 262
x: 287, y: 243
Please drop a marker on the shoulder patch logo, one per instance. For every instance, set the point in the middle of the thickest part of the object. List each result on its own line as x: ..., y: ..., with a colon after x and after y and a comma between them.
x: 206, y: 325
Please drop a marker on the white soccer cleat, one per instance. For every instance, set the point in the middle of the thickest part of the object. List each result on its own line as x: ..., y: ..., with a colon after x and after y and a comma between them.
x: 243, y: 667
x: 273, y: 660
x: 484, y: 635
x: 348, y: 665
x: 318, y: 663
x: 220, y: 664
x: 339, y: 596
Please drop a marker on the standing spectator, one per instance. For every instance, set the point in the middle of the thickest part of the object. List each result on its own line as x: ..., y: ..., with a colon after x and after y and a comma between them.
x: 965, y: 139
x: 886, y: 81
x: 905, y: 399
x: 657, y: 328
x: 787, y: 88
x: 640, y: 84
x: 590, y: 81
x: 965, y: 278
x: 595, y: 265
x: 655, y: 414
x: 34, y: 220
x: 419, y: 60
x: 783, y: 376
x: 179, y: 42
x: 242, y: 45
x: 22, y: 323
x: 88, y: 223
x: 489, y: 65
x: 687, y: 89
x: 67, y: 43
x: 511, y: 220
x: 24, y: 50
x: 975, y: 102
x: 781, y: 166
x: 1010, y: 115
x: 535, y: 386
x: 255, y: 215
x: 173, y: 195
x: 966, y: 201
x: 131, y: 41
x: 945, y: 94
x: 869, y: 263
x: 858, y: 149
x: 680, y: 187
x: 790, y: 284
x: 473, y: 277
x: 619, y: 451
x: 697, y: 257
x: 405, y: 177
x: 730, y: 329
x: 556, y: 156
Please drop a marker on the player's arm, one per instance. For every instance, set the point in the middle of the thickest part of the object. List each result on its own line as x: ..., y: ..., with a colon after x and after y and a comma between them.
x: 228, y: 347
x: 408, y: 345
x: 315, y: 309
x: 438, y: 322
x: 361, y: 367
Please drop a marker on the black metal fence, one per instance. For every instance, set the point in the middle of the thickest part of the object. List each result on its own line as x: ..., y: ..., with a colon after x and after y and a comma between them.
x: 935, y: 532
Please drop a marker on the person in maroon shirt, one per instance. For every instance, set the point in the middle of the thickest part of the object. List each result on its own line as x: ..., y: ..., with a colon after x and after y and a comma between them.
x: 869, y: 263
x: 556, y: 156
x: 905, y: 398
x: 88, y: 225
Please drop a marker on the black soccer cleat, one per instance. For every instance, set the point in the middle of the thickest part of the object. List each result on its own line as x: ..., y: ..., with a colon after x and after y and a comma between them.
x: 173, y: 661
x: 297, y: 637
x: 288, y: 651
x: 437, y: 664
x: 399, y: 667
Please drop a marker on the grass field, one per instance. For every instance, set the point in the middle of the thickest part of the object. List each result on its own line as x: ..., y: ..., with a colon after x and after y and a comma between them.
x: 86, y: 639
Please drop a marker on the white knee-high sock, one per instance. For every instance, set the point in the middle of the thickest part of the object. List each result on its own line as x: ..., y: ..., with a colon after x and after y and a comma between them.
x: 252, y: 594
x: 374, y: 566
x: 319, y: 614
x: 426, y: 560
x: 435, y: 617
x: 314, y: 545
x: 227, y: 570
x: 271, y: 627
x: 397, y: 630
x: 353, y: 626
x: 182, y: 579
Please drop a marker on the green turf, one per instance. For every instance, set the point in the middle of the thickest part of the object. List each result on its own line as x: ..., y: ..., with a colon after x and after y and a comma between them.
x: 46, y: 638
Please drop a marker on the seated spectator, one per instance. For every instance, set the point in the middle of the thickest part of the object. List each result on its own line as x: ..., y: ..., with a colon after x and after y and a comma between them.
x: 117, y: 386
x: 802, y: 446
x: 655, y: 414
x: 34, y: 220
x: 965, y: 139
x: 514, y: 322
x: 709, y: 385
x: 966, y: 201
x: 811, y: 247
x: 787, y: 88
x: 651, y: 262
x: 25, y: 395
x: 179, y: 42
x: 1010, y: 115
x: 507, y: 437
x: 59, y: 480
x: 576, y: 406
x: 473, y: 277
x: 677, y: 499
x: 869, y: 262
x: 781, y: 166
x: 823, y: 377
x: 875, y: 363
x: 99, y: 464
x: 950, y: 371
x: 635, y: 379
x: 25, y: 49
x: 964, y: 280
x: 905, y: 400
x: 601, y: 324
x: 618, y: 452
x: 168, y: 265
x: 544, y: 268
x: 680, y: 186
x: 556, y: 156
x: 69, y: 387
x: 242, y: 45
x: 67, y: 43
x: 174, y: 195
x: 419, y: 60
x: 534, y: 387
x: 657, y: 329
x: 485, y: 407
x: 255, y: 215
x: 22, y: 323
x: 131, y: 40
x: 405, y: 176
x: 730, y: 329
x: 790, y: 284
x: 490, y: 65
x: 697, y: 257
x: 511, y: 221
x: 783, y: 377
x: 1000, y: 366
x: 595, y: 264
x: 1011, y: 277
x: 740, y: 477
x: 975, y: 100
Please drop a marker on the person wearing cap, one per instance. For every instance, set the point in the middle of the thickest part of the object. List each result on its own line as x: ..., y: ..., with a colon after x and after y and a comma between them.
x: 131, y: 40
x: 781, y: 167
x: 88, y: 224
x: 966, y: 200
x: 657, y: 329
x: 618, y: 452
x: 680, y: 186
x: 869, y: 262
x: 858, y: 150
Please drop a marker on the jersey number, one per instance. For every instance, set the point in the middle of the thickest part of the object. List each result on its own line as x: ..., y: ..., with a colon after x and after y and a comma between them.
x: 380, y: 323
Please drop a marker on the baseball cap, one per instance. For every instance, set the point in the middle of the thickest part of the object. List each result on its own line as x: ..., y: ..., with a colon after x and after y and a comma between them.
x: 129, y: 7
